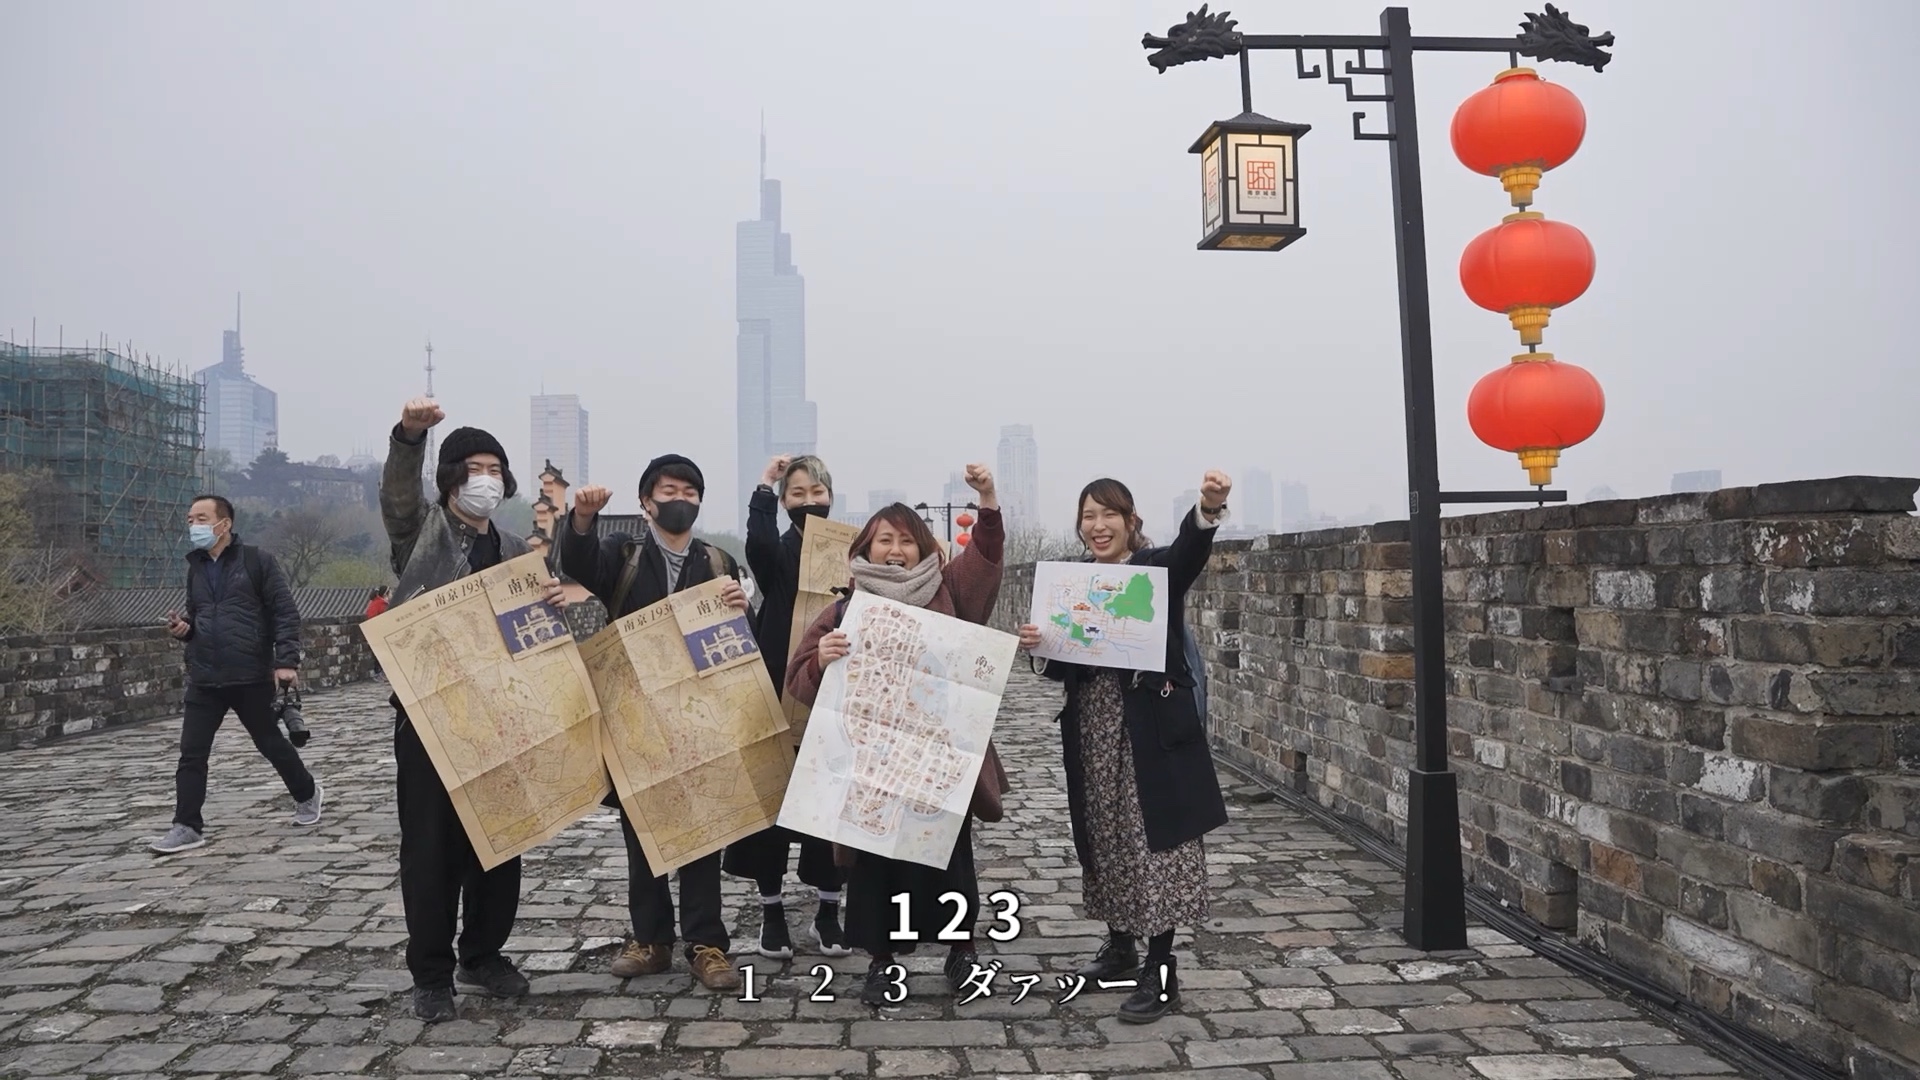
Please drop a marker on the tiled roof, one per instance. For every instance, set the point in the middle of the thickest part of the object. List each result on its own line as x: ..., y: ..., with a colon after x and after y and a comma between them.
x: 105, y: 608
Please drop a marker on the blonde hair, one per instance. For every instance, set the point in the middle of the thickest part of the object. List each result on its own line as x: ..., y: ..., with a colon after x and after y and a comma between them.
x: 812, y: 466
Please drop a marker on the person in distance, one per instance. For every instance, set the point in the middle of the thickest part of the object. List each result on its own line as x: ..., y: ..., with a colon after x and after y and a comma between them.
x: 1141, y: 786
x: 441, y: 882
x: 897, y: 558
x: 802, y: 487
x: 629, y: 575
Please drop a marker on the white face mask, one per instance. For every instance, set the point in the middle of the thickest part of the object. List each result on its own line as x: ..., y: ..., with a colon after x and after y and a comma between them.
x: 480, y: 495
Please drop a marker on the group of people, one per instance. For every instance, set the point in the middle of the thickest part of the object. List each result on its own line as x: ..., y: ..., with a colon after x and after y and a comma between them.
x: 1141, y: 785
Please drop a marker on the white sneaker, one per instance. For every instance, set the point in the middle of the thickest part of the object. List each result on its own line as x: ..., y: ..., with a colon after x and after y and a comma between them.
x: 308, y: 813
x: 178, y: 839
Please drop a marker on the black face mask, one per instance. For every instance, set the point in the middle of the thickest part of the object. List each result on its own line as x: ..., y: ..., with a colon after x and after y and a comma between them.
x: 675, y: 516
x: 799, y: 514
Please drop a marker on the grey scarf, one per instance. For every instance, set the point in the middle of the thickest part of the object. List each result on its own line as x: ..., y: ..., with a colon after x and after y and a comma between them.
x: 914, y: 587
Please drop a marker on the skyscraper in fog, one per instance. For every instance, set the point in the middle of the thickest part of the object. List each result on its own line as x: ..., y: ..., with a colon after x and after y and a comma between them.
x: 772, y: 414
x: 1294, y: 511
x: 1018, y: 474
x: 559, y: 436
x: 240, y: 416
x: 1258, y: 500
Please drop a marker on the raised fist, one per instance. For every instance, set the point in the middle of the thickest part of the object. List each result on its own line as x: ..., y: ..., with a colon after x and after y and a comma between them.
x: 420, y: 414
x: 775, y: 468
x: 1214, y: 488
x: 588, y: 501
x: 980, y: 479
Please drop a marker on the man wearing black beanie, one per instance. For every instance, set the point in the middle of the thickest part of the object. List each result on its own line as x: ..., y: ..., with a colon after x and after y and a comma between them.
x: 441, y: 882
x: 628, y: 575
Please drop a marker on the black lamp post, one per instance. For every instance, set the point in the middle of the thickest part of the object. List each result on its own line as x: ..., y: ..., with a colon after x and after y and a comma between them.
x: 1250, y: 203
x: 944, y: 508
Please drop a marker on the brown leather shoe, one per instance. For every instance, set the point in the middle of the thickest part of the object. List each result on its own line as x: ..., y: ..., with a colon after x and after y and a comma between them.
x: 713, y: 969
x: 638, y: 959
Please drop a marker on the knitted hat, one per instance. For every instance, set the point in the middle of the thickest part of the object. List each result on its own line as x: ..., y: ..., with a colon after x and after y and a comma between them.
x: 655, y: 466
x: 462, y: 443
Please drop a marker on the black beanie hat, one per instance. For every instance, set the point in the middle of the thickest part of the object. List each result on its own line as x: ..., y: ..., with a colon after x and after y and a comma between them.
x: 654, y: 467
x: 462, y: 443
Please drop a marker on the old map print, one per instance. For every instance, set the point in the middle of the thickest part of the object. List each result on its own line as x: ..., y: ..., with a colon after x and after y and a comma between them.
x: 690, y: 727
x: 898, y: 732
x: 823, y: 568
x: 497, y: 691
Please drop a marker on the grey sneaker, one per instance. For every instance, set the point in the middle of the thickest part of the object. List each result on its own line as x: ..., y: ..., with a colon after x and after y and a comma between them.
x: 308, y: 813
x: 178, y: 839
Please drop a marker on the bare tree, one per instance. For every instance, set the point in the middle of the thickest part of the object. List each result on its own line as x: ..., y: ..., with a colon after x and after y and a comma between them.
x: 39, y: 579
x: 306, y: 537
x: 1032, y: 543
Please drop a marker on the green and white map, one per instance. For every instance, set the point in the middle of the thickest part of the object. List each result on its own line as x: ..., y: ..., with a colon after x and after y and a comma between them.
x: 1100, y: 615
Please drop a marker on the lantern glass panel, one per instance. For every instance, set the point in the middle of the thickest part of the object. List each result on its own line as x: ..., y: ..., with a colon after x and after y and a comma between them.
x: 1263, y: 179
x: 1212, y: 188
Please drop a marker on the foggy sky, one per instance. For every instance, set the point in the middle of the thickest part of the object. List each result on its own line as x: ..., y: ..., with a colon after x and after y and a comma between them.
x: 995, y: 212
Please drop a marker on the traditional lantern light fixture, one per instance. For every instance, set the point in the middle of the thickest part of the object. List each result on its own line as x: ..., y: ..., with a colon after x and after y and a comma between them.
x: 963, y: 539
x: 965, y: 521
x: 1525, y: 267
x: 1249, y: 196
x: 1517, y: 129
x: 1536, y: 407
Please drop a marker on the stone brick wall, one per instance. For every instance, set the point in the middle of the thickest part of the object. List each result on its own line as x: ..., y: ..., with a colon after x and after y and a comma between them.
x: 1687, y: 729
x: 68, y: 684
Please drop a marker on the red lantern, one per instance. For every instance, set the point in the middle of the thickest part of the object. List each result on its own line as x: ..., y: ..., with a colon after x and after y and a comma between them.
x: 963, y: 539
x: 1525, y: 267
x: 1536, y: 407
x: 965, y: 521
x: 1517, y: 129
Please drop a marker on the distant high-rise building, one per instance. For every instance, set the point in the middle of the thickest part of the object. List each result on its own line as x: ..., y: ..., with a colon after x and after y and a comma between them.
x: 1018, y: 476
x: 1698, y: 480
x: 772, y: 414
x: 1294, y: 511
x: 1256, y: 503
x: 1601, y: 493
x: 956, y: 493
x: 238, y: 414
x: 879, y: 499
x: 560, y: 436
x: 1163, y: 532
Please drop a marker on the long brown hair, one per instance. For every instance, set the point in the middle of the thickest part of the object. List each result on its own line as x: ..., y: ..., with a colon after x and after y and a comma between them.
x: 1113, y: 495
x: 902, y: 517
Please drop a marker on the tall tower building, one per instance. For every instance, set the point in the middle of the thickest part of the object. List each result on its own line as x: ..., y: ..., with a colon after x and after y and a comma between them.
x: 1258, y: 500
x: 1018, y: 475
x: 240, y: 416
x: 772, y: 414
x: 560, y: 436
x: 1294, y: 511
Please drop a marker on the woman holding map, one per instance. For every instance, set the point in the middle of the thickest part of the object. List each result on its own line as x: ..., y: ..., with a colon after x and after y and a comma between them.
x: 803, y: 488
x: 897, y: 558
x: 1141, y: 787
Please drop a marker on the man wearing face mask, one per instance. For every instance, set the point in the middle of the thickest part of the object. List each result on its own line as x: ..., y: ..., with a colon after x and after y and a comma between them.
x: 441, y: 882
x: 242, y: 634
x: 628, y: 575
x: 803, y: 488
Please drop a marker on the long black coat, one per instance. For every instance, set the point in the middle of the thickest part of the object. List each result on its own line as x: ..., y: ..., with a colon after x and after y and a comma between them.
x: 1180, y: 795
x: 239, y: 635
x: 774, y: 558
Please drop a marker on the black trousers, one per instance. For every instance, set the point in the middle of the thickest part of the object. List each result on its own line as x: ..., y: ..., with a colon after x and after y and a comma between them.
x: 873, y: 915
x: 441, y: 883
x: 650, y: 898
x: 762, y: 858
x: 206, y: 709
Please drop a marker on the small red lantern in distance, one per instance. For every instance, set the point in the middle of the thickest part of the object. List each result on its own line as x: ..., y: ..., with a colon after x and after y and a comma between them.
x: 1536, y: 407
x: 1517, y: 129
x: 965, y: 521
x: 1525, y: 267
x: 963, y: 539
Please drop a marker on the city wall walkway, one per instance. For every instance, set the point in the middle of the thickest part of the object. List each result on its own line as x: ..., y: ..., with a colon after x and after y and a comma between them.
x: 277, y: 950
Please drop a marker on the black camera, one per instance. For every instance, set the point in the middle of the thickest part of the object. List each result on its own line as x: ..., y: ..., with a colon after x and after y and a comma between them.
x: 286, y: 710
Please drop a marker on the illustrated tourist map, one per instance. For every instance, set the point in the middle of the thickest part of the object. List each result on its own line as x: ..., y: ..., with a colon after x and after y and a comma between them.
x: 690, y: 726
x: 1101, y: 615
x: 823, y: 568
x: 898, y: 732
x: 494, y: 685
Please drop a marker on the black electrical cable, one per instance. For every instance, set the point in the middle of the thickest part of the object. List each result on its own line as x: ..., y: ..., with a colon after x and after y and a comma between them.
x: 1756, y: 1054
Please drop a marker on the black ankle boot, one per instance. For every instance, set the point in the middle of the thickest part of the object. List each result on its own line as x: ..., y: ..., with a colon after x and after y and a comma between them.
x: 1155, y: 998
x: 1117, y: 959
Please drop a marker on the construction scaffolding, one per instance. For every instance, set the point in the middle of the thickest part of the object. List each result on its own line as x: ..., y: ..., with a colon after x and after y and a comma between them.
x: 120, y: 437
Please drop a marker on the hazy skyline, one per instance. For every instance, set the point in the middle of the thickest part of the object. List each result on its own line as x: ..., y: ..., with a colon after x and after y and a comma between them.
x: 996, y: 214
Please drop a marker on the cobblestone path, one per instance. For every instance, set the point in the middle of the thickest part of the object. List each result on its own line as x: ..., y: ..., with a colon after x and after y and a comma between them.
x: 277, y: 951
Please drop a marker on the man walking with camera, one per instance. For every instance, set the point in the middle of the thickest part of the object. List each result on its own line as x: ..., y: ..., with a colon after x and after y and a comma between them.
x: 242, y: 634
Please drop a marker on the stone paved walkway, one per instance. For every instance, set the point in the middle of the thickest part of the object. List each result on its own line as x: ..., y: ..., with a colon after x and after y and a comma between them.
x: 277, y: 951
